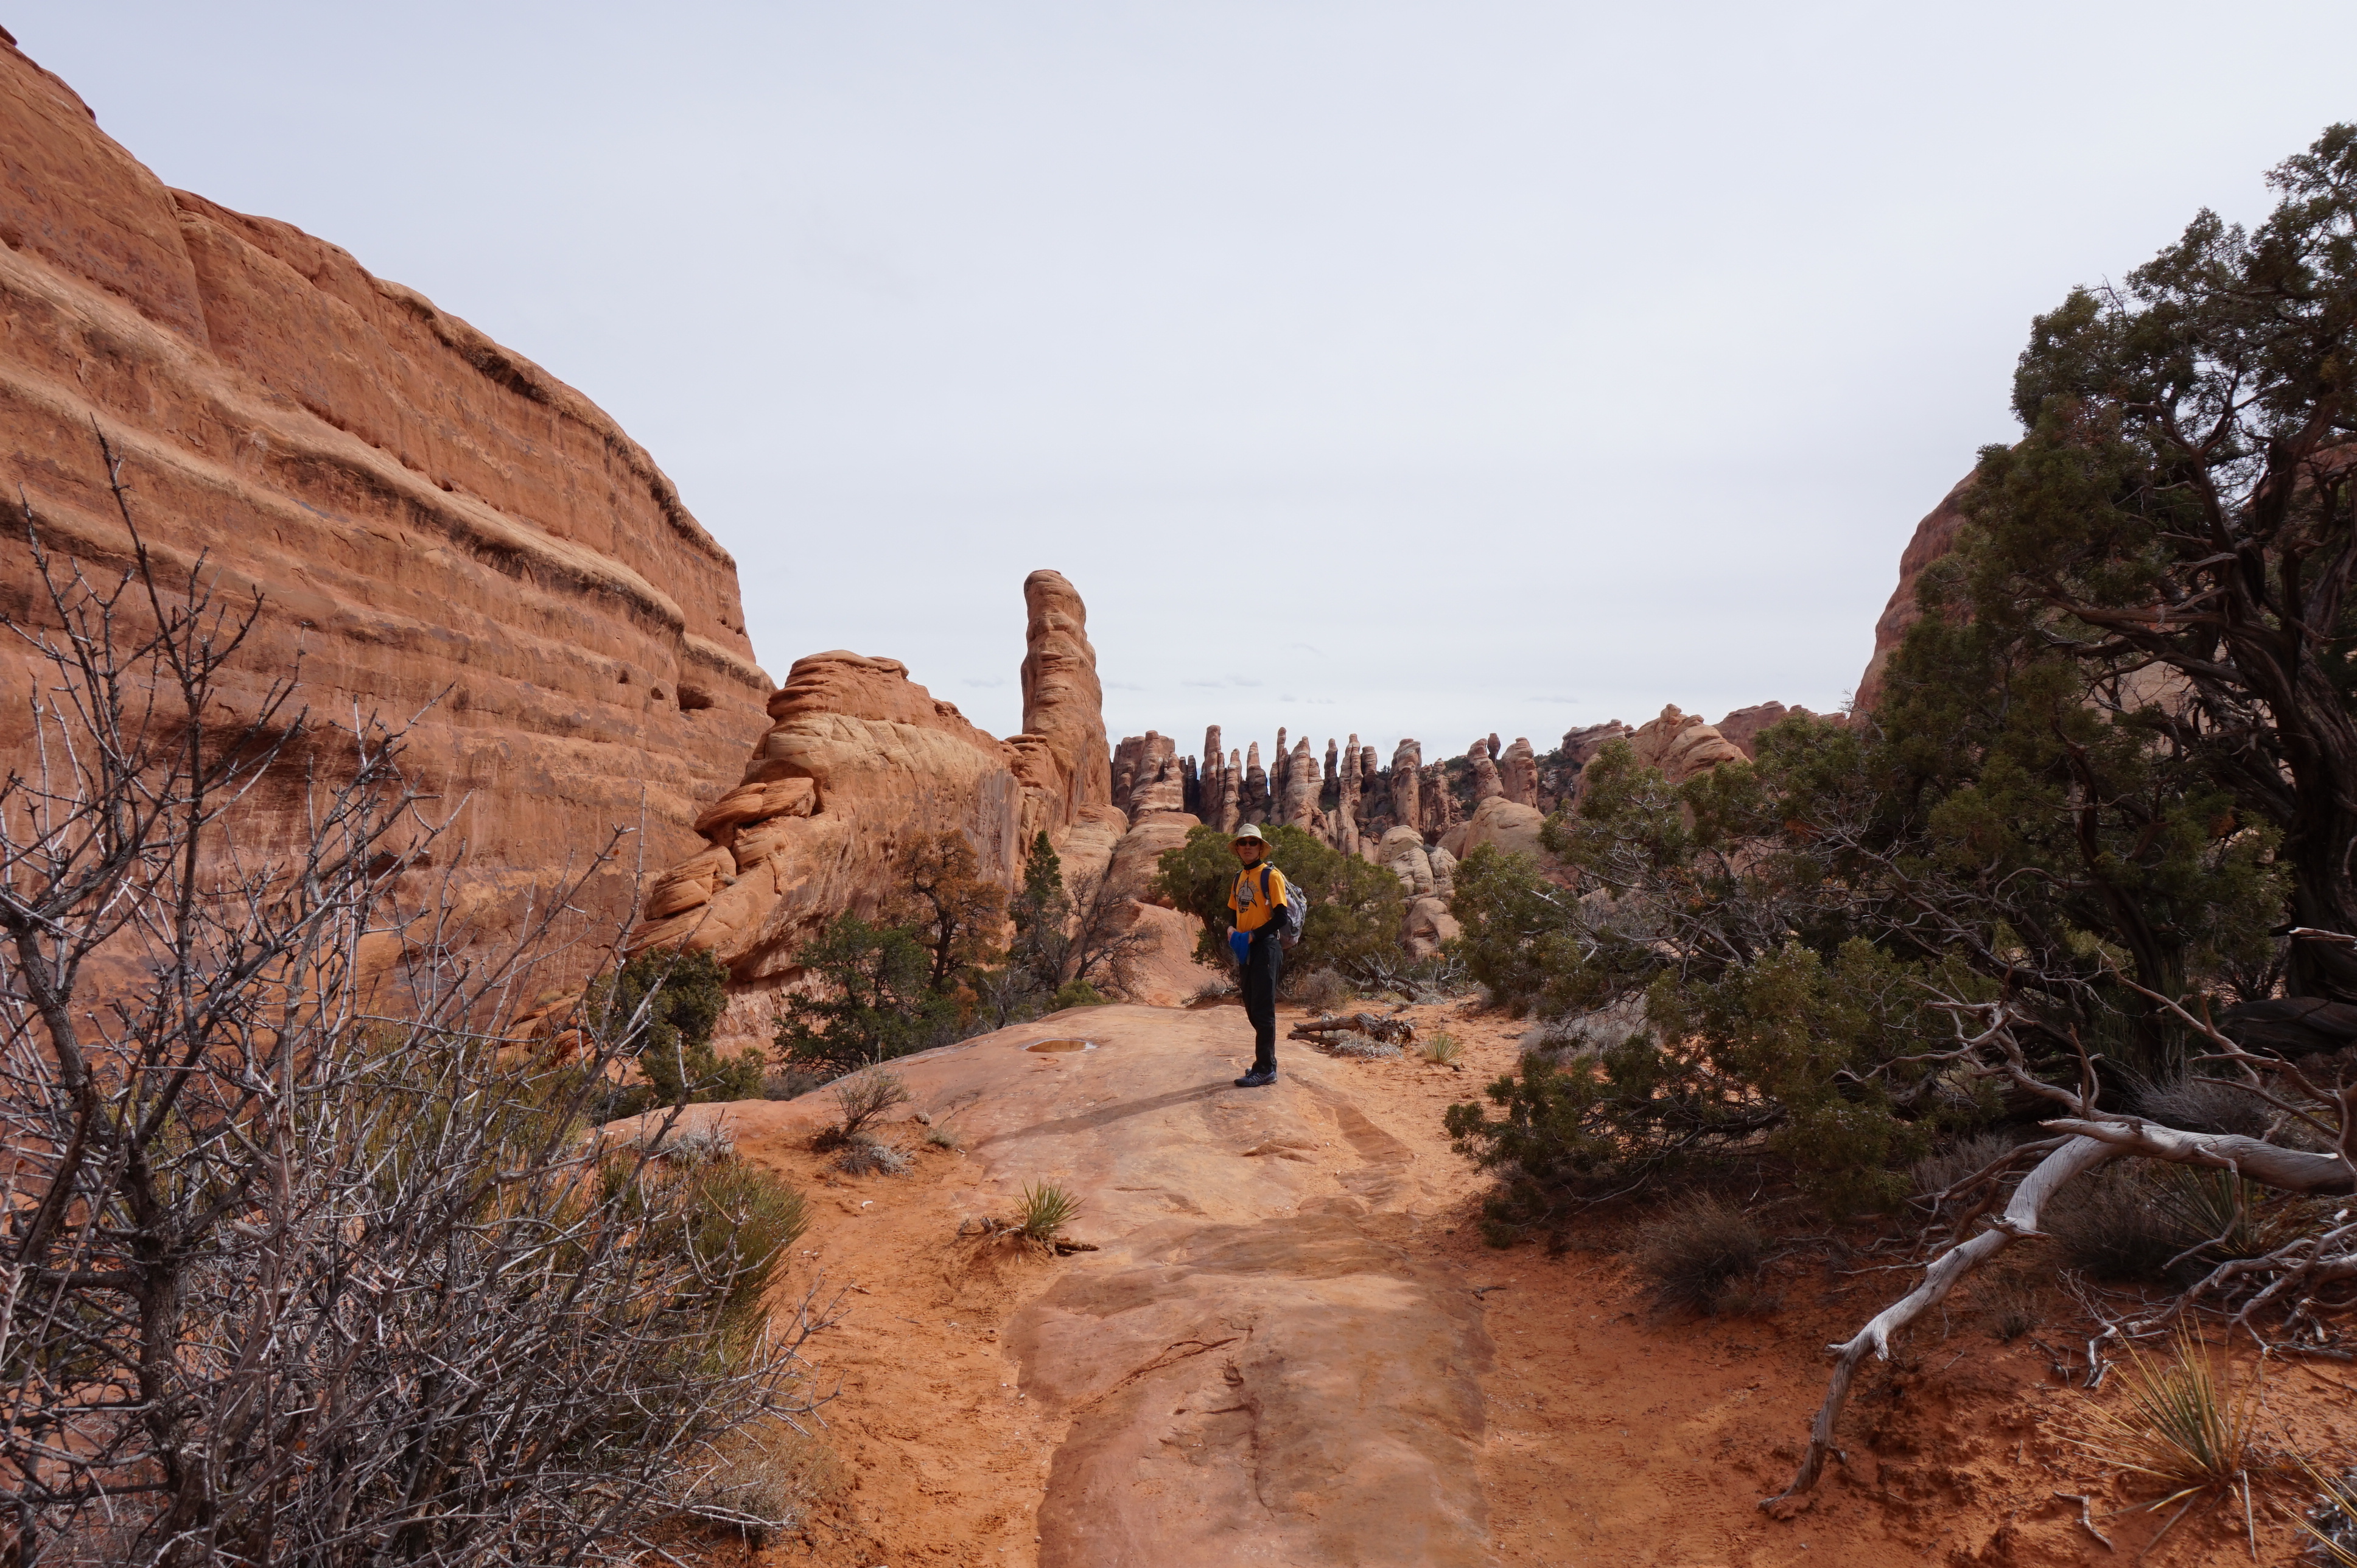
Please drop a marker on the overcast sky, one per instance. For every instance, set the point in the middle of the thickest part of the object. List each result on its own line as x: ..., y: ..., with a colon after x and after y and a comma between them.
x: 1423, y: 370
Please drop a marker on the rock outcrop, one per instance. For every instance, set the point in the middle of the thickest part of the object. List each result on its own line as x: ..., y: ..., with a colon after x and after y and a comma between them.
x: 440, y: 527
x: 857, y: 759
x: 1682, y: 744
x: 1933, y: 537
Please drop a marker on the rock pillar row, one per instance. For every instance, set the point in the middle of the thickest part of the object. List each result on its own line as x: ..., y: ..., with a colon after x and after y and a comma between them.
x: 1213, y: 779
x: 1232, y: 785
x: 1253, y: 804
x: 1347, y: 786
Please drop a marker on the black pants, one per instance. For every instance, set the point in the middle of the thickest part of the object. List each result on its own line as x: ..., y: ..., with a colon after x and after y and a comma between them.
x: 1261, y: 970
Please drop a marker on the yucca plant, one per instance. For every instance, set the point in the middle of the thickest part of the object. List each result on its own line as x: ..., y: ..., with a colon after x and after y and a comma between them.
x: 2186, y: 1422
x: 2334, y: 1522
x: 1046, y: 1209
x: 1441, y: 1049
x: 2226, y: 1214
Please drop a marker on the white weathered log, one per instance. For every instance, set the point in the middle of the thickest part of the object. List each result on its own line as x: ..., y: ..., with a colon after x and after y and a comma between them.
x: 2291, y: 1170
x: 2021, y: 1219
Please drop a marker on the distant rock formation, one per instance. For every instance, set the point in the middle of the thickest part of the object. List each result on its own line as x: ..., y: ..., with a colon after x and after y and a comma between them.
x: 858, y: 758
x: 1933, y: 537
x: 440, y: 526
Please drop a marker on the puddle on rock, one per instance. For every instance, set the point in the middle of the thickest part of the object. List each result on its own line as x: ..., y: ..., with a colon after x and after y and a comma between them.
x: 1062, y: 1045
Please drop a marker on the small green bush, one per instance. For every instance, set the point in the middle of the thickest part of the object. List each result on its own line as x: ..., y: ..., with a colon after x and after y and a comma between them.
x: 675, y: 999
x: 873, y: 999
x: 1356, y: 907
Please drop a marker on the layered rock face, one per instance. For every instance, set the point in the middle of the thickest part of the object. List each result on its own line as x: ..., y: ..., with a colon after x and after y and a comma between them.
x: 438, y: 526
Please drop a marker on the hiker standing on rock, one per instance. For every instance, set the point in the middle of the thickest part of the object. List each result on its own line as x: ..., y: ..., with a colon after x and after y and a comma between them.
x: 1259, y: 902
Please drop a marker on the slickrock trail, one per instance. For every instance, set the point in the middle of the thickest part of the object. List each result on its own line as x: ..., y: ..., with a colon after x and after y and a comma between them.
x: 1291, y: 1346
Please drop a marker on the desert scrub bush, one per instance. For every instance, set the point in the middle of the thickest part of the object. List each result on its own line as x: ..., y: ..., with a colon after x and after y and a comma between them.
x: 2204, y: 1105
x: 1046, y: 1209
x: 1703, y: 1254
x: 2108, y: 1224
x: 862, y: 1098
x: 1441, y: 1049
x: 704, y: 1144
x: 1956, y: 1158
x: 871, y: 1000
x: 664, y: 1003
x: 1356, y: 907
x: 381, y: 1297
x: 2188, y: 1423
x: 1320, y: 990
x: 792, y: 1083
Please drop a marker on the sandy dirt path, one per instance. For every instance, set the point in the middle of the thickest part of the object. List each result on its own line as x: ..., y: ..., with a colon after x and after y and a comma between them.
x: 1291, y: 1346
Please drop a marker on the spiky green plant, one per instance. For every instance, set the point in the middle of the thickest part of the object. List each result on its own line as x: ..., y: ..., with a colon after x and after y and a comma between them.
x: 2187, y: 1422
x: 1442, y: 1049
x: 1046, y: 1209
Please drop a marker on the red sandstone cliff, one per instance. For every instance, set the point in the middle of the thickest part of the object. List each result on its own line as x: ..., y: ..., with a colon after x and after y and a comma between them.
x: 428, y: 515
x: 1934, y: 537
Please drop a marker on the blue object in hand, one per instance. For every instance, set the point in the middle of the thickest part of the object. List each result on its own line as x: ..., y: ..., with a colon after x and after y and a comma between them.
x: 1240, y: 944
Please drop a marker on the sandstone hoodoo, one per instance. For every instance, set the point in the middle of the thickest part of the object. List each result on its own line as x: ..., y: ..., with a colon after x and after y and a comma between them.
x: 450, y: 537
x: 857, y: 759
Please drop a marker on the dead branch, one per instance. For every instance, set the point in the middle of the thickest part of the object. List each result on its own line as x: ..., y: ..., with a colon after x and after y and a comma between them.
x: 2018, y: 1221
x: 1322, y: 1030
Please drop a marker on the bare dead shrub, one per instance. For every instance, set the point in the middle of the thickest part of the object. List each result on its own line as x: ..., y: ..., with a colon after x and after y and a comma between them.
x: 2110, y: 1224
x: 342, y: 1234
x: 863, y: 1097
x: 1706, y: 1254
x: 1321, y: 990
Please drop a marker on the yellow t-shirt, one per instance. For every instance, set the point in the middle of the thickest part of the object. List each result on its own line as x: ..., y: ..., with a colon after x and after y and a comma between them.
x: 1252, y: 910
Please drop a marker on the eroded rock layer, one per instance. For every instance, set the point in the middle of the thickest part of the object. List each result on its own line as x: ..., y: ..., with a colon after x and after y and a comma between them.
x: 438, y: 527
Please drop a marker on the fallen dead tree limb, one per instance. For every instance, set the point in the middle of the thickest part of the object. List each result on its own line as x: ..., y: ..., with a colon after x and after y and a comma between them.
x: 1322, y: 1031
x: 2093, y: 1139
x: 2019, y: 1220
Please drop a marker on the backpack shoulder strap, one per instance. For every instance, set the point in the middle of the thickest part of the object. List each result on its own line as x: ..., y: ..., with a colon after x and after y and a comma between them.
x: 1263, y: 885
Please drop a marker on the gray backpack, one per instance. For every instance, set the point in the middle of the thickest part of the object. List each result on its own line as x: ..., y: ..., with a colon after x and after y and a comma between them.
x: 1296, y: 906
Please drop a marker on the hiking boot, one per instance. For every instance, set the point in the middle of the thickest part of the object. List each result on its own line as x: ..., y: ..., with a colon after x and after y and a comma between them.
x: 1257, y: 1078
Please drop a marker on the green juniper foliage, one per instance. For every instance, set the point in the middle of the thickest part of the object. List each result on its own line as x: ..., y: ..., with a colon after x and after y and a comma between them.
x: 682, y: 994
x: 873, y: 1002
x: 1356, y: 907
x: 2119, y: 747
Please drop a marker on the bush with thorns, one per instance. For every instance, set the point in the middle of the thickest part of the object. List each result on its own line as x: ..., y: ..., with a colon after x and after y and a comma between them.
x: 305, y: 1259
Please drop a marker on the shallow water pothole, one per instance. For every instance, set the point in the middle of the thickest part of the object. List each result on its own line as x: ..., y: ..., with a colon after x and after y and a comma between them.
x: 1062, y: 1045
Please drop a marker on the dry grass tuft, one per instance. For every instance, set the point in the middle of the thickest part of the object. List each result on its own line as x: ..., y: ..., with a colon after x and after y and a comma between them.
x: 763, y: 1481
x: 1441, y: 1050
x: 1705, y: 1253
x: 2010, y: 1299
x: 865, y: 1155
x: 2331, y: 1524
